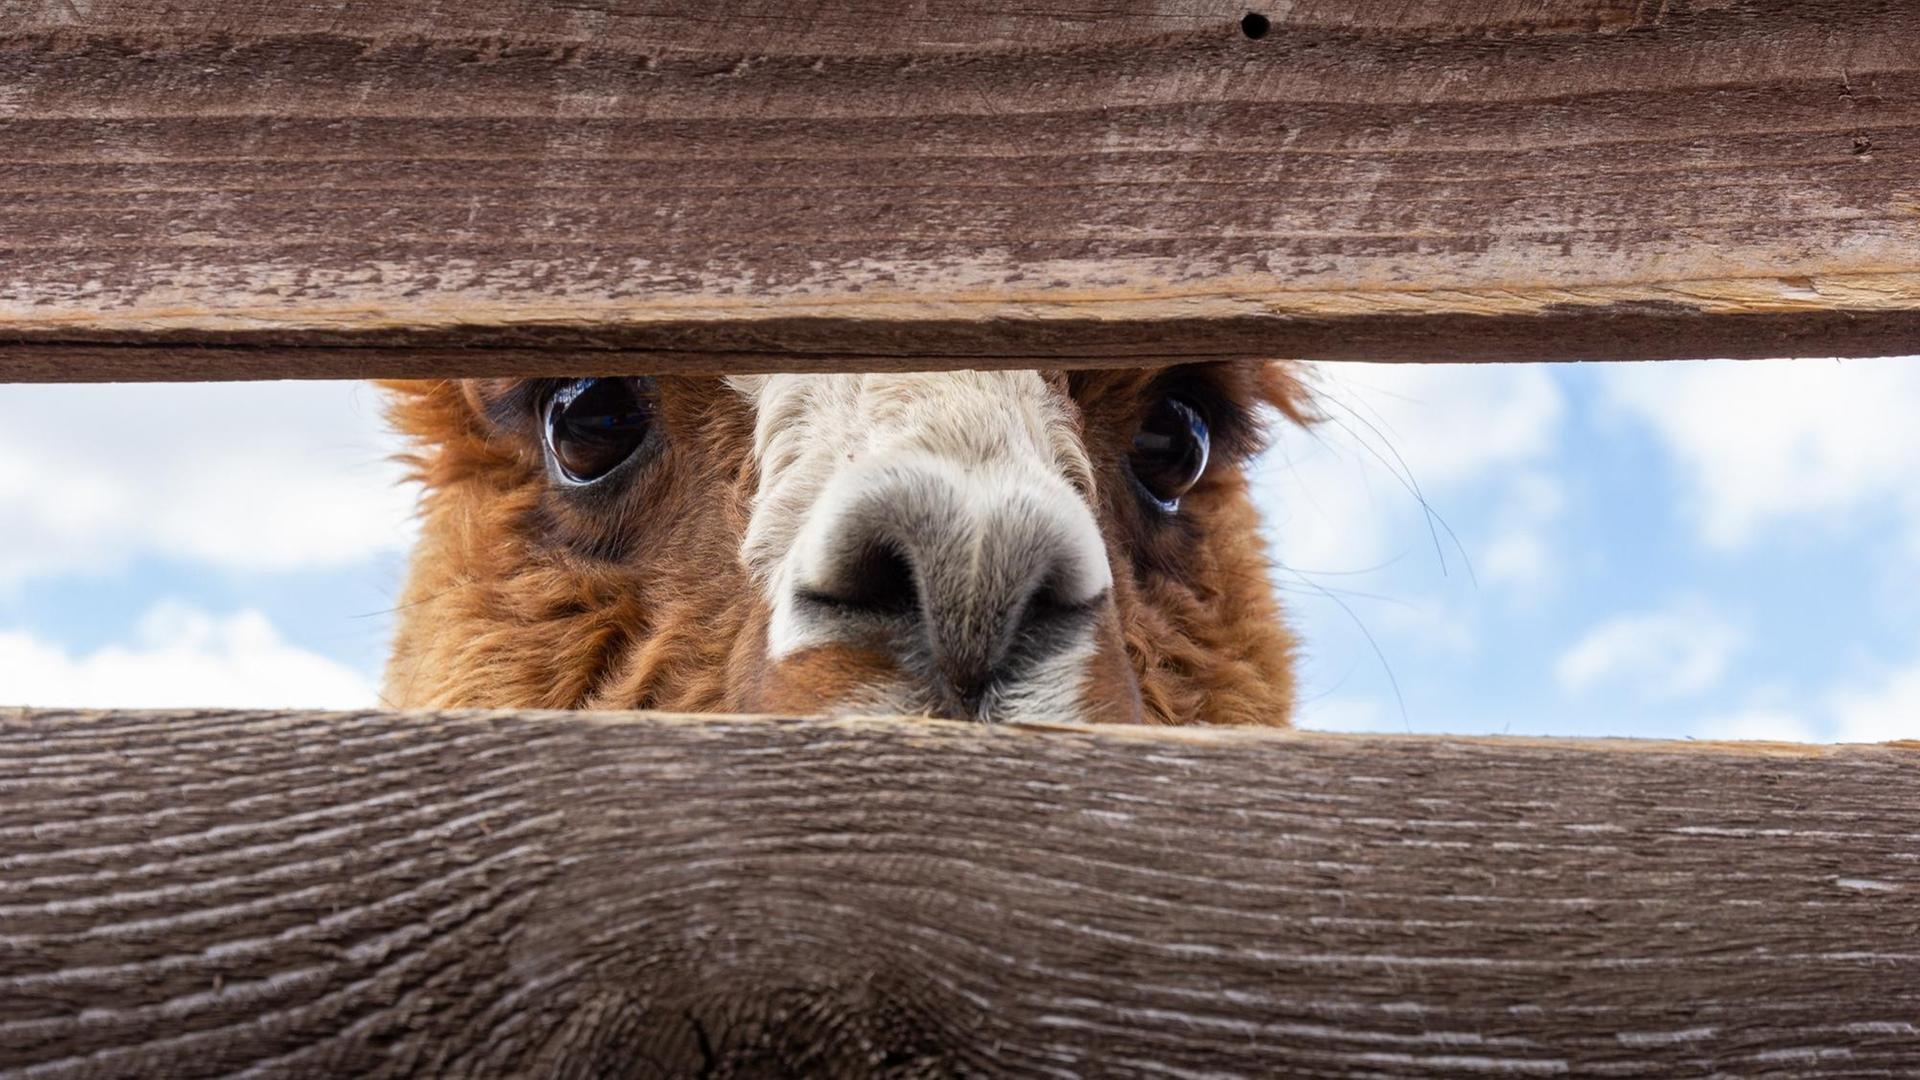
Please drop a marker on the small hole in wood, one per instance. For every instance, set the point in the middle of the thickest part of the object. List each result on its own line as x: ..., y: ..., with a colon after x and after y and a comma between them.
x: 1255, y: 25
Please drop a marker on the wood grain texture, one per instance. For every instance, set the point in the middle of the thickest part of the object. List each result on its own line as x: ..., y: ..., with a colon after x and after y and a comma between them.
x: 244, y: 188
x: 187, y: 894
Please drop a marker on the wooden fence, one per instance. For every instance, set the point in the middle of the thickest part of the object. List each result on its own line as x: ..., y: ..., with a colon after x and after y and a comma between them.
x: 245, y: 189
x: 252, y: 189
x: 557, y: 894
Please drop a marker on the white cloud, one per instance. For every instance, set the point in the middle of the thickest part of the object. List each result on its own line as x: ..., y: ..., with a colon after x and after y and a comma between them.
x: 1429, y: 622
x: 1517, y: 552
x: 1345, y: 714
x: 1324, y: 508
x: 1675, y: 653
x: 1357, y: 509
x: 181, y: 657
x: 1882, y: 709
x: 255, y: 476
x: 1766, y: 440
x: 1888, y: 711
x: 1517, y: 557
x: 1450, y: 422
x: 1770, y: 725
x: 1342, y: 496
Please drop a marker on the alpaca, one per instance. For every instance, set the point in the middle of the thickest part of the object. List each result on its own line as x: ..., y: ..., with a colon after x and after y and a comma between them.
x: 983, y: 545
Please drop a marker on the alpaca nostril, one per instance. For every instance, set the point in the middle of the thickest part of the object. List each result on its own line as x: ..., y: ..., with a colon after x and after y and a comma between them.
x: 1050, y: 602
x: 973, y: 594
x: 1048, y: 624
x: 877, y: 580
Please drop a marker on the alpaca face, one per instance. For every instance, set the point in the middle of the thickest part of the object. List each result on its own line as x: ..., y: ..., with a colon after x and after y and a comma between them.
x: 1002, y: 546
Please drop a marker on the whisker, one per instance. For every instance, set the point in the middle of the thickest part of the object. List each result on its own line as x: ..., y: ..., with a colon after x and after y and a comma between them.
x: 1372, y: 643
x: 1401, y: 471
x: 398, y: 608
x: 1358, y: 571
x: 1354, y: 594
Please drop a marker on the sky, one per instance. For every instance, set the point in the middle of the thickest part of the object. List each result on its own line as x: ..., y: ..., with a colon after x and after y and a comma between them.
x: 1708, y: 549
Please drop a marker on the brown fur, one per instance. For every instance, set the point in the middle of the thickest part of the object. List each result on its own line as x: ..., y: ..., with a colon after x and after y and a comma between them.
x: 520, y: 599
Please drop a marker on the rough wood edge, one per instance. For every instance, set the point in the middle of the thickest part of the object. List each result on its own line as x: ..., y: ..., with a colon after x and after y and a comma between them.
x: 936, y: 730
x: 1627, y: 331
x: 541, y: 893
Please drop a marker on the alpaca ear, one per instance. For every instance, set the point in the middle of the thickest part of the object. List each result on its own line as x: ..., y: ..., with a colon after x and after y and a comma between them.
x: 1283, y: 386
x: 498, y: 402
x: 445, y: 421
x: 429, y: 410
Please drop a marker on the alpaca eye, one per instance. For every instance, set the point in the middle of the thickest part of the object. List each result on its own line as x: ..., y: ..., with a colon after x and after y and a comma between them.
x: 1170, y: 452
x: 595, y: 424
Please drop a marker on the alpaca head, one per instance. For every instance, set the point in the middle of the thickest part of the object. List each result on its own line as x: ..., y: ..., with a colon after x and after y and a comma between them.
x: 1013, y: 545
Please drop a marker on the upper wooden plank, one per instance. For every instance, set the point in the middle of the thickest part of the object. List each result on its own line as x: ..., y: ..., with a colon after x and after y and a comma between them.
x: 576, y: 895
x: 244, y: 188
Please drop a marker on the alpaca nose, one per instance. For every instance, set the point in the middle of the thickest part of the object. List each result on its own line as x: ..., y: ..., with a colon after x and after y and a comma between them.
x: 976, y: 588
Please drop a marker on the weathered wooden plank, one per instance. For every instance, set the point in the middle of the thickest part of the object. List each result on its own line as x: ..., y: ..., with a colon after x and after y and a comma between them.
x: 565, y: 894
x: 193, y: 190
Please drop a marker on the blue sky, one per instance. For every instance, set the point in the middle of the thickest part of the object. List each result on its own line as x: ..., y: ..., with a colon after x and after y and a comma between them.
x: 1707, y: 549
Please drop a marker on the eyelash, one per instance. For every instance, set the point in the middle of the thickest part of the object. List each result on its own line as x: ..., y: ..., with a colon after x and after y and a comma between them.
x: 1235, y: 429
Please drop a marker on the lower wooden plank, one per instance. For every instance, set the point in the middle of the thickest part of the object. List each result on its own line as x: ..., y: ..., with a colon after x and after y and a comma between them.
x: 186, y: 894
